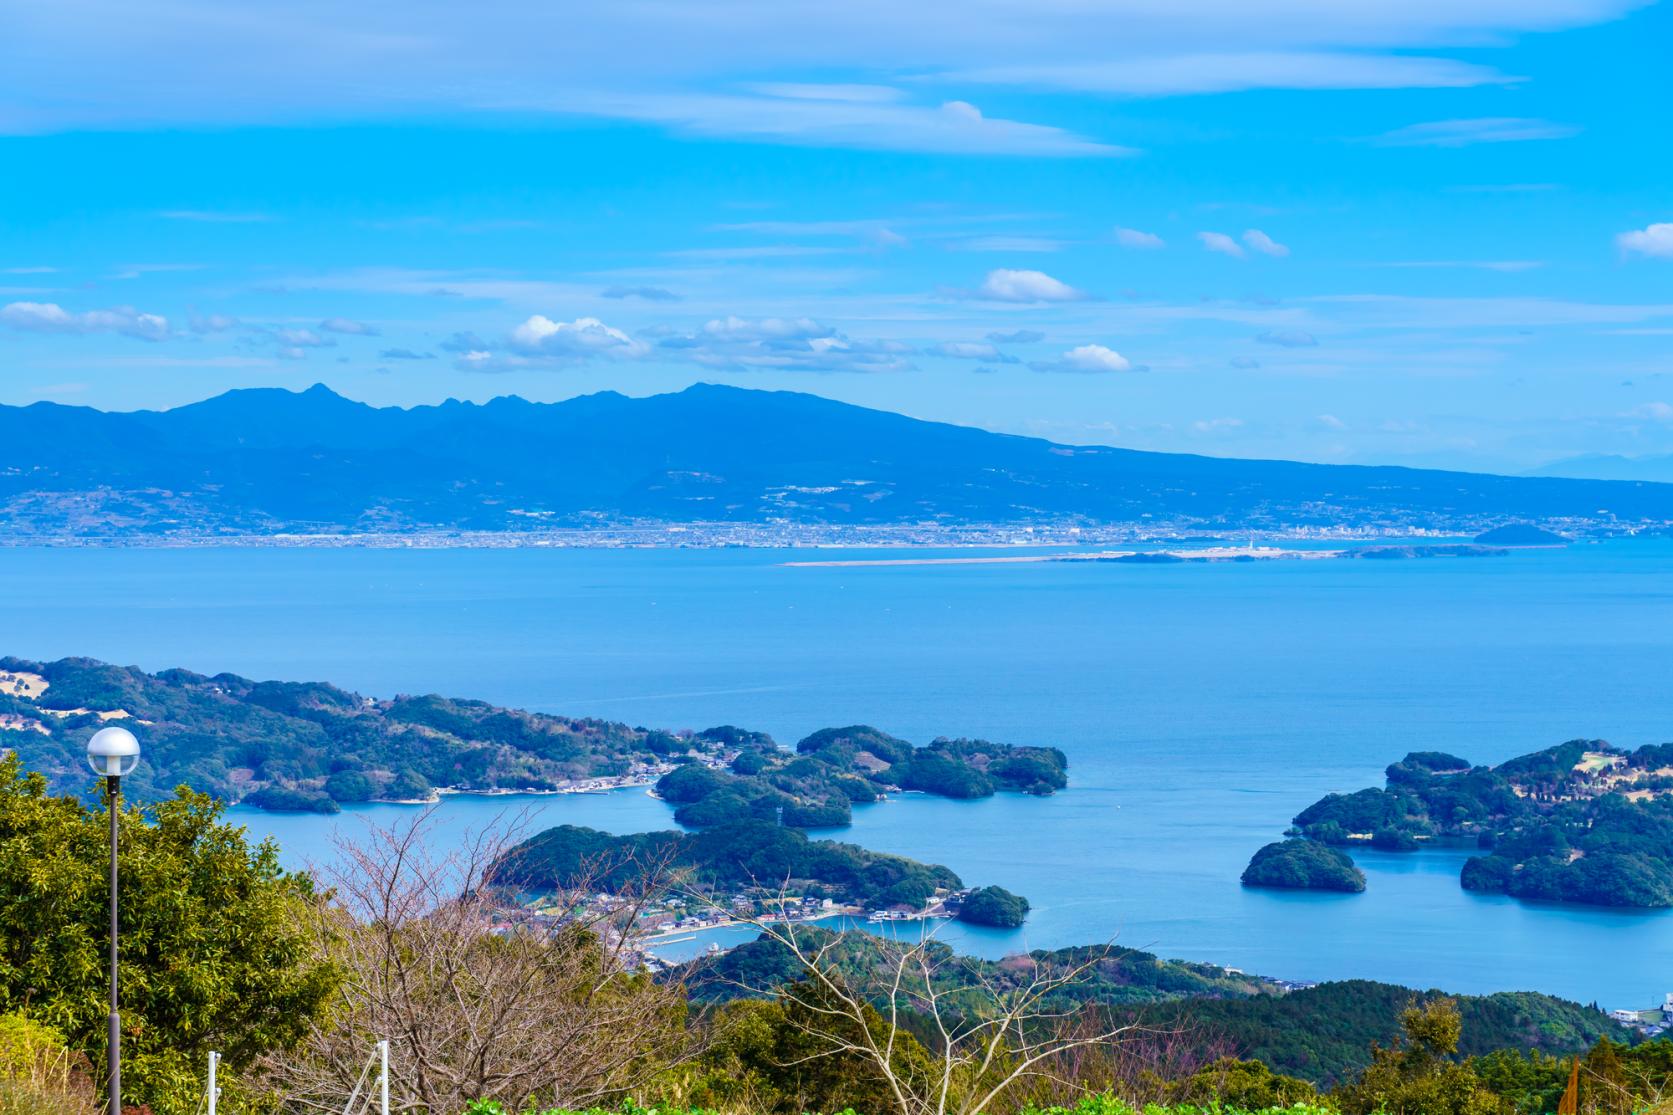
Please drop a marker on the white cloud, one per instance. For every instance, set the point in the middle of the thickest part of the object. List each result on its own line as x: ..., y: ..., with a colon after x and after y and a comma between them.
x: 1220, y: 242
x: 1008, y: 285
x: 1486, y: 129
x: 69, y: 65
x: 211, y: 323
x: 348, y: 326
x: 1331, y: 422
x: 1655, y: 241
x: 1134, y: 238
x: 951, y: 128
x: 1657, y: 412
x: 783, y: 345
x: 1264, y: 244
x: 1017, y: 337
x: 49, y: 317
x: 300, y: 339
x: 583, y: 337
x: 970, y: 350
x: 1288, y: 338
x: 1087, y: 358
x: 1245, y: 362
x: 1216, y: 425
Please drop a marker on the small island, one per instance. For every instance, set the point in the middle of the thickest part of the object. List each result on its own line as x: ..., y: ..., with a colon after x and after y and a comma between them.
x: 1583, y: 822
x: 753, y: 868
x: 833, y: 769
x: 1302, y: 864
x: 993, y: 906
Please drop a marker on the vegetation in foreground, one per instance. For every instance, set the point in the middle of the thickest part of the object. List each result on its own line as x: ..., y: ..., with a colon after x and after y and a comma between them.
x: 293, y: 981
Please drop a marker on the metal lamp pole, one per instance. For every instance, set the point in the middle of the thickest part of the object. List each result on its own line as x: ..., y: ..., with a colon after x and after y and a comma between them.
x: 113, y: 752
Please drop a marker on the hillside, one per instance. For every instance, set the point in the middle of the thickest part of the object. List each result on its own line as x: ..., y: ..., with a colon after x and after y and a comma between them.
x: 310, y: 746
x: 263, y: 461
x: 1324, y: 1033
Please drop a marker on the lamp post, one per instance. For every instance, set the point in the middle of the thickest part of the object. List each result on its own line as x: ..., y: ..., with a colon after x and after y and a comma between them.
x: 113, y: 752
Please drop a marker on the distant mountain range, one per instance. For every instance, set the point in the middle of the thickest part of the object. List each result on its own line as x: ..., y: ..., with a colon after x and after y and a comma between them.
x: 265, y: 461
x: 1607, y: 466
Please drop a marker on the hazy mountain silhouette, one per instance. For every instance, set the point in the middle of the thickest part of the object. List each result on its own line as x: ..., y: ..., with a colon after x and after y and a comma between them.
x: 270, y: 459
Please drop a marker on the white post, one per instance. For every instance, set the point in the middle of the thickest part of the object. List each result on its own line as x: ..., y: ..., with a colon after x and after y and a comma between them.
x: 383, y: 1077
x: 214, y: 1090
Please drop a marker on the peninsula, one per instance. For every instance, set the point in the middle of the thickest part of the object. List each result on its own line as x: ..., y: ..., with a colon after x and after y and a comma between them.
x: 1583, y: 822
x: 311, y: 746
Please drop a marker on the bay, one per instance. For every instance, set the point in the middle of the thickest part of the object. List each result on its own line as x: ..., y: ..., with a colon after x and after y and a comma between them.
x: 1201, y: 707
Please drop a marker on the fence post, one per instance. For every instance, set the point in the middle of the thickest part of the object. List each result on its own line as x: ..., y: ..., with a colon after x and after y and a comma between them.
x: 383, y: 1076
x: 214, y: 1089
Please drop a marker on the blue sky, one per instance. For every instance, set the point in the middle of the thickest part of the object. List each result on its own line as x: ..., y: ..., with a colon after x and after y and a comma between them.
x: 1414, y: 232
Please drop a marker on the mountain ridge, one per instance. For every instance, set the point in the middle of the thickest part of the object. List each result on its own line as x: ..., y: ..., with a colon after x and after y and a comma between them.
x: 261, y: 461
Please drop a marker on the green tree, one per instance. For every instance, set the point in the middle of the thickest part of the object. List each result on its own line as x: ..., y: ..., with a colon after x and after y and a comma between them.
x: 1420, y: 1075
x: 215, y: 954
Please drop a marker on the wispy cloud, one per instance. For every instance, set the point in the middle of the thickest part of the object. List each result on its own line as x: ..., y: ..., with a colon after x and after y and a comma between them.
x: 1221, y: 243
x: 1229, y: 72
x: 1264, y: 244
x: 49, y: 317
x: 1288, y: 338
x: 1006, y: 244
x: 1485, y: 129
x: 214, y: 217
x: 647, y: 293
x: 1507, y: 266
x: 949, y: 128
x: 1135, y: 238
x: 970, y: 350
x: 348, y: 326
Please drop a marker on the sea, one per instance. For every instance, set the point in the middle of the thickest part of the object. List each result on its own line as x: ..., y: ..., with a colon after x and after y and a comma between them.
x: 1201, y: 707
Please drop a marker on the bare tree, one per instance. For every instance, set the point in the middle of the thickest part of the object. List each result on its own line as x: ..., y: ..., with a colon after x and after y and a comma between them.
x: 991, y: 1033
x: 478, y: 997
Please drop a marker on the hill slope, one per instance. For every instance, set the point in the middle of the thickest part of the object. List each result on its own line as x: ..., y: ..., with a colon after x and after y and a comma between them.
x: 268, y: 460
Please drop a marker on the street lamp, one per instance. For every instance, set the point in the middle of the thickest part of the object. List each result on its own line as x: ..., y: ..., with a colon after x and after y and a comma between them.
x: 113, y: 752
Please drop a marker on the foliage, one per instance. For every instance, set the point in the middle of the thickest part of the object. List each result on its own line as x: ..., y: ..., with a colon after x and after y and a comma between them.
x: 994, y: 906
x: 1580, y: 822
x: 1303, y: 864
x: 836, y: 767
x: 1421, y: 1075
x: 726, y: 860
x: 213, y: 951
x: 308, y: 746
x: 1323, y: 1034
x: 39, y: 1075
x: 1112, y: 975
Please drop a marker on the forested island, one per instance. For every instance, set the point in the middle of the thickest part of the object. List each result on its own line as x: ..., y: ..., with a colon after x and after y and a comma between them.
x: 1583, y: 822
x: 313, y: 746
x: 1302, y: 864
x: 756, y: 865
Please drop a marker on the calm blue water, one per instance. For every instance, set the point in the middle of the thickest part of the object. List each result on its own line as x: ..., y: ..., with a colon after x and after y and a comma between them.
x: 1201, y: 707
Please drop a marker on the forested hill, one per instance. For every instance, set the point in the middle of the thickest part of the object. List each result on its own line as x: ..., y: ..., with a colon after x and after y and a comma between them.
x: 311, y: 745
x: 266, y: 460
x: 1324, y: 1033
x: 1581, y: 822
